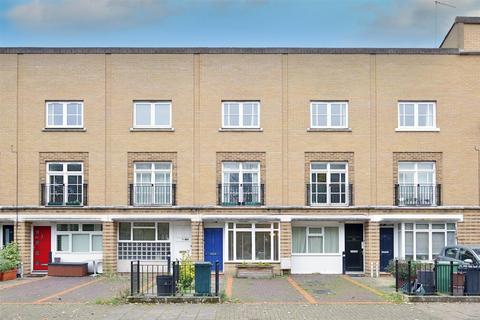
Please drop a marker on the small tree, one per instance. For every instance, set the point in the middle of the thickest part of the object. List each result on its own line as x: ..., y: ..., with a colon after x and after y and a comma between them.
x: 9, y: 257
x: 187, y: 273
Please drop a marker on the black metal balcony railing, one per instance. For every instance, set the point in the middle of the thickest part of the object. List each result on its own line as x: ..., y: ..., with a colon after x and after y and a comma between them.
x: 339, y: 195
x: 152, y: 194
x: 63, y: 195
x: 418, y: 195
x: 241, y: 194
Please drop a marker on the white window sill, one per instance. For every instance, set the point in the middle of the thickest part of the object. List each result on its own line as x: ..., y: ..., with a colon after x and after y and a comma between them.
x: 64, y: 129
x: 417, y: 129
x: 329, y: 130
x: 152, y: 129
x: 240, y: 129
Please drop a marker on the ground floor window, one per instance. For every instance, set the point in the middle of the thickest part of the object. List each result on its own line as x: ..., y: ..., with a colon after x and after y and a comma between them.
x: 252, y: 241
x: 143, y: 240
x: 73, y: 237
x: 423, y: 241
x: 315, y: 240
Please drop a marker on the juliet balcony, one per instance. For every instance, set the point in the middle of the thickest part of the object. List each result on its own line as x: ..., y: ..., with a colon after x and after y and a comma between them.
x: 63, y: 195
x: 241, y: 194
x: 418, y: 195
x: 152, y: 195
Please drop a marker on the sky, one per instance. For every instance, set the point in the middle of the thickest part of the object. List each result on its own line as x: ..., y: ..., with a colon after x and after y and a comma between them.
x: 228, y: 23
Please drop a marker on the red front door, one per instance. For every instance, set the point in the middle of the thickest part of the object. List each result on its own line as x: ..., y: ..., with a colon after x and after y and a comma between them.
x: 41, y: 248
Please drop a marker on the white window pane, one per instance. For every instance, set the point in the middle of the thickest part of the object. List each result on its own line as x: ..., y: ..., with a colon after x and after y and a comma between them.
x: 74, y: 114
x: 406, y: 166
x: 163, y: 232
x: 438, y: 226
x: 426, y: 165
x: 250, y: 165
x: 80, y: 243
x: 140, y: 234
x: 124, y: 231
x: 74, y: 167
x: 162, y: 165
x: 422, y: 245
x: 244, y: 245
x: 409, y: 245
x: 143, y: 114
x: 231, y: 165
x: 338, y: 166
x: 315, y: 230
x: 451, y: 226
x: 263, y: 246
x: 299, y: 239
x: 421, y: 226
x: 97, y: 242
x: 438, y: 242
x: 143, y: 165
x: 162, y: 114
x: 63, y: 242
x: 319, y: 166
x: 451, y: 239
x: 315, y: 244
x: 331, y: 240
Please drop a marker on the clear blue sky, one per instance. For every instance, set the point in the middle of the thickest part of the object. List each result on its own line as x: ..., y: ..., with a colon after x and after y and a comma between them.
x: 235, y: 23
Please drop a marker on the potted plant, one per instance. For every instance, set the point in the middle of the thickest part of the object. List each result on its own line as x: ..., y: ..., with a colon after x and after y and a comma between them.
x: 9, y: 259
x: 258, y: 270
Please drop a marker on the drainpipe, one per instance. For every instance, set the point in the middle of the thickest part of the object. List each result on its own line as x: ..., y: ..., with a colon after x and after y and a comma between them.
x: 477, y: 148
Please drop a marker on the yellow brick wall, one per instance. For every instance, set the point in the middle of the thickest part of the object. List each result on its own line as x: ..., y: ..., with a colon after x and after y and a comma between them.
x: 285, y: 239
x: 197, y: 241
x: 23, y: 236
x: 110, y: 247
x: 372, y: 246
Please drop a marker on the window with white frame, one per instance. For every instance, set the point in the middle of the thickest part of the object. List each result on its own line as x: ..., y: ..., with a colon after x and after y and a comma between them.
x: 416, y: 183
x: 253, y: 241
x: 64, y: 114
x: 328, y: 114
x: 152, y: 183
x: 86, y: 237
x: 238, y: 114
x: 315, y: 240
x: 417, y: 115
x: 157, y: 114
x: 329, y: 183
x: 424, y: 241
x: 64, y: 183
x: 241, y: 183
x: 143, y: 241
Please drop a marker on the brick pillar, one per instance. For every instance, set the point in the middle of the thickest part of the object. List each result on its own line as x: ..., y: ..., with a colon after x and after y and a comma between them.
x: 23, y: 236
x: 372, y: 245
x: 285, y: 239
x: 197, y: 241
x: 110, y: 247
x: 468, y: 231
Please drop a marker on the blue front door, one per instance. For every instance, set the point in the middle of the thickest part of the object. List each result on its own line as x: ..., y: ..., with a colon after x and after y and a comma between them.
x: 213, y: 239
x: 386, y: 247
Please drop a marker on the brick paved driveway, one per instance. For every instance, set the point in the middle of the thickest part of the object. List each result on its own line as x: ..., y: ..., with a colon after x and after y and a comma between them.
x: 61, y: 289
x: 312, y: 289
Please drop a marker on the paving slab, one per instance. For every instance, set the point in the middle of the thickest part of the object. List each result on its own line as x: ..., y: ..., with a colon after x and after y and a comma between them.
x: 265, y: 290
x: 335, y: 288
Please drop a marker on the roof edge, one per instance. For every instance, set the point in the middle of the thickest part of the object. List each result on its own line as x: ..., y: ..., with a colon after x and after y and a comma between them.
x: 221, y: 50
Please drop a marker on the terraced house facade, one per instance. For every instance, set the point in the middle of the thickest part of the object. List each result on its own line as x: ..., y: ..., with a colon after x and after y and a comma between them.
x: 291, y: 156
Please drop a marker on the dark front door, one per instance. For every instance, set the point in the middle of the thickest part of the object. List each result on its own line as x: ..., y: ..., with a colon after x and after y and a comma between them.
x: 213, y: 248
x: 41, y: 248
x: 353, y: 247
x: 7, y: 235
x: 386, y: 247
